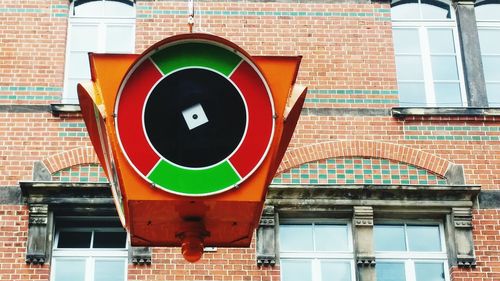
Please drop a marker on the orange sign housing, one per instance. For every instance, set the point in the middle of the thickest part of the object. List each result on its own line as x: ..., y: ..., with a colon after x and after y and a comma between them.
x: 190, y: 134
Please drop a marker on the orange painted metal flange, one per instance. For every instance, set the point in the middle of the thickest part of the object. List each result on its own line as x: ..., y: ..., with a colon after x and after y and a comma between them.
x: 155, y: 216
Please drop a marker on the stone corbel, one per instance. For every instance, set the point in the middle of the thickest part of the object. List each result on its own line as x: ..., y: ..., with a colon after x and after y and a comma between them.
x: 464, y: 244
x: 38, y: 234
x: 266, y: 238
x: 141, y: 255
x: 363, y: 232
x: 363, y: 227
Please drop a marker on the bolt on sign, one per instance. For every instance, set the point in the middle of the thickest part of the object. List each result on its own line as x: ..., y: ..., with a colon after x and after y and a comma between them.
x: 190, y: 133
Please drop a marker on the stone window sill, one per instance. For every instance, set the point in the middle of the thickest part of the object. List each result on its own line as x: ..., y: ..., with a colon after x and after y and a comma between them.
x: 58, y: 108
x: 404, y: 112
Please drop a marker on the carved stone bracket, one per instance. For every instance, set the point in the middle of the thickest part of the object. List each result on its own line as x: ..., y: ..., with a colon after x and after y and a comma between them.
x: 464, y: 245
x: 365, y: 260
x: 266, y: 238
x: 141, y: 255
x: 38, y: 234
x: 362, y: 220
x: 363, y: 216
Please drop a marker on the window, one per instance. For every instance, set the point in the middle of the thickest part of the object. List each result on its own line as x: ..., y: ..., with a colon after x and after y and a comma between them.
x: 488, y: 23
x: 410, y: 252
x: 94, y: 253
x: 316, y: 251
x: 427, y: 54
x: 101, y: 26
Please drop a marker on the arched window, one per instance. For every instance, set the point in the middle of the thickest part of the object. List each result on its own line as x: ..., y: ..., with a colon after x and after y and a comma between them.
x: 100, y: 26
x: 427, y: 54
x: 488, y: 24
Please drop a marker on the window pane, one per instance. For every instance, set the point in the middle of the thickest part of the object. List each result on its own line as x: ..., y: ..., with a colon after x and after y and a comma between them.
x: 488, y: 12
x: 448, y: 94
x: 489, y: 40
x: 104, y: 9
x: 70, y: 239
x: 296, y: 270
x: 405, y: 11
x: 444, y: 68
x: 390, y: 271
x: 115, y: 9
x: 296, y: 238
x: 441, y: 41
x: 389, y: 238
x: 411, y: 94
x: 110, y: 239
x: 331, y: 238
x: 493, y: 90
x: 335, y: 271
x: 79, y: 65
x: 83, y: 37
x: 406, y: 40
x: 69, y: 270
x: 424, y: 238
x: 409, y: 67
x: 435, y: 10
x: 119, y: 39
x: 429, y: 271
x: 109, y: 270
x: 491, y: 67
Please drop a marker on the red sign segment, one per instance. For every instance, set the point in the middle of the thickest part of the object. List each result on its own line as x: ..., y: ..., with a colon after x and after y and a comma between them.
x: 129, y: 119
x: 260, y: 120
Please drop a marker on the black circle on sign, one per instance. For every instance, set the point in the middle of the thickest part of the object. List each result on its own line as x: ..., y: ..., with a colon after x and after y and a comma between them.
x: 207, y: 143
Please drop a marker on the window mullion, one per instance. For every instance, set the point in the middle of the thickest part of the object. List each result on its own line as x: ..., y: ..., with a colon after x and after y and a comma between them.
x: 410, y: 270
x: 427, y: 66
x: 101, y: 42
x: 89, y: 266
x: 460, y: 68
x: 316, y: 270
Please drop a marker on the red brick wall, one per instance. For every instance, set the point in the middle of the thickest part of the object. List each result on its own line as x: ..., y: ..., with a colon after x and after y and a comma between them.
x: 347, y: 47
x: 13, y: 236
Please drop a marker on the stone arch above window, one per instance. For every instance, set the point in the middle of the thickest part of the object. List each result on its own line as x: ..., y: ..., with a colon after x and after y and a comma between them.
x: 81, y: 173
x: 69, y: 158
x: 359, y: 170
x: 372, y: 149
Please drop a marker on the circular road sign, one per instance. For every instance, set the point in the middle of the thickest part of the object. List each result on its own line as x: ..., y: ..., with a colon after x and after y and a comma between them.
x: 194, y: 115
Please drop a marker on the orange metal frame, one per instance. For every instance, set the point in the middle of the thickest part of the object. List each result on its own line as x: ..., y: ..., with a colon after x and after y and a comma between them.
x: 157, y: 218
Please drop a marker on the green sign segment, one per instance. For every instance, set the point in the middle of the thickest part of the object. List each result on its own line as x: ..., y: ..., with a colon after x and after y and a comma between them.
x: 209, y: 56
x: 194, y: 181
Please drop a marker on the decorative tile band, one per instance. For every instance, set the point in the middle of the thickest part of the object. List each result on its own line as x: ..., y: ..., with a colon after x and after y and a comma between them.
x: 73, y: 134
x: 30, y: 89
x: 455, y: 138
x: 21, y: 10
x: 350, y: 96
x: 352, y: 92
x: 453, y: 128
x: 71, y: 125
x: 13, y: 90
x: 23, y: 97
x: 452, y: 133
x: 352, y: 101
x: 379, y: 14
x: 358, y: 170
x: 81, y: 173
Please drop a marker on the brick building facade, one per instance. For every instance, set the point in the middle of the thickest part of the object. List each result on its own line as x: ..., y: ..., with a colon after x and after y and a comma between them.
x: 398, y: 141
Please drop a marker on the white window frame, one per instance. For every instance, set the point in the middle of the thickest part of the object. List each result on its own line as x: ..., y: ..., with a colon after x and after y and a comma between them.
x: 317, y: 256
x: 89, y: 255
x: 423, y: 25
x: 410, y: 258
x: 492, y: 25
x: 102, y: 22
